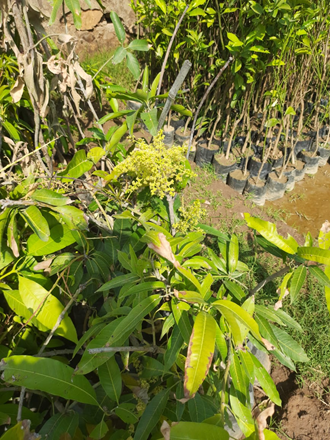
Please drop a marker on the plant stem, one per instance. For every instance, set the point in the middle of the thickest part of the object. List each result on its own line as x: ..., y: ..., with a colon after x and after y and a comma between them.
x: 224, y: 384
x: 169, y: 49
x: 281, y: 272
x: 150, y: 349
x: 210, y: 87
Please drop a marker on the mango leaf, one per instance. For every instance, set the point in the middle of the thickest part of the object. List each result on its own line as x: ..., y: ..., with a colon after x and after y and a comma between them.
x: 266, y: 381
x: 60, y: 237
x: 142, y: 287
x: 55, y: 7
x: 284, y: 285
x: 173, y: 348
x: 319, y: 275
x: 114, y: 115
x: 200, y: 353
x: 58, y: 424
x: 99, y: 431
x: 118, y: 134
x: 235, y: 289
x: 289, y: 346
x: 74, y: 7
x: 95, y: 154
x: 119, y: 28
x: 119, y: 281
x: 115, y: 334
x: 37, y: 222
x: 151, y: 121
x: 12, y: 234
x: 315, y: 254
x: 182, y: 320
x: 161, y: 4
x: 268, y: 230
x: 190, y: 297
x: 233, y: 254
x: 181, y: 110
x: 327, y: 289
x: 151, y: 415
x: 126, y: 412
x: 4, y: 216
x: 324, y: 236
x: 46, y: 308
x: 197, y: 431
x: 48, y: 375
x: 133, y: 65
x: 154, y: 86
x: 296, y: 282
x: 78, y: 165
x: 73, y: 217
x: 110, y: 378
x: 21, y: 431
x: 139, y: 45
x: 50, y: 197
x: 232, y: 311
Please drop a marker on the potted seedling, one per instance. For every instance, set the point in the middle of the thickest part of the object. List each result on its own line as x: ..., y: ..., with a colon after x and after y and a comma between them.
x: 168, y: 131
x: 207, y: 148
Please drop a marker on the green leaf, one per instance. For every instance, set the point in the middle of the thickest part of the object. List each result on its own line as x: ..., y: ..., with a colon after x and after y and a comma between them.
x: 133, y: 65
x: 78, y: 165
x: 181, y: 110
x: 234, y: 39
x: 235, y: 289
x: 95, y: 154
x: 60, y: 237
x: 4, y: 216
x: 151, y: 368
x: 114, y: 115
x: 182, y: 320
x: 232, y: 311
x: 74, y: 7
x: 11, y: 130
x: 200, y: 353
x: 73, y: 217
x: 142, y: 287
x: 290, y: 111
x: 48, y: 375
x: 110, y: 378
x: 324, y: 238
x: 37, y: 222
x: 266, y: 381
x: 119, y: 28
x: 173, y: 348
x: 119, y: 281
x: 268, y: 230
x: 115, y: 334
x: 126, y: 412
x: 145, y: 79
x: 197, y: 431
x: 54, y: 428
x: 161, y: 4
x: 99, y: 431
x: 289, y: 346
x: 326, y: 289
x: 319, y: 275
x: 49, y: 197
x: 154, y: 86
x: 119, y: 55
x: 151, y: 415
x: 55, y: 7
x: 118, y: 134
x: 140, y: 45
x: 259, y: 49
x: 151, y: 121
x: 315, y: 254
x: 46, y: 308
x: 233, y: 254
x: 284, y: 284
x: 297, y: 281
x: 21, y: 431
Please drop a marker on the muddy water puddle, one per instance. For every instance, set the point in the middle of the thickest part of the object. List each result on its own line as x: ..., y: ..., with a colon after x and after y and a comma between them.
x: 308, y: 205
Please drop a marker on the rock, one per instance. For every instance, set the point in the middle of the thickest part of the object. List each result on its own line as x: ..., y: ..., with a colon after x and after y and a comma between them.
x: 90, y: 19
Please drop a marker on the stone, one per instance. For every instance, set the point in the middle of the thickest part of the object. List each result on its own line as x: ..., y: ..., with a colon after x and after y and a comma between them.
x: 90, y: 19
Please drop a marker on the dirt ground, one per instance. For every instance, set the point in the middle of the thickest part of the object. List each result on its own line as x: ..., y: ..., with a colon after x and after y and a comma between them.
x: 303, y: 415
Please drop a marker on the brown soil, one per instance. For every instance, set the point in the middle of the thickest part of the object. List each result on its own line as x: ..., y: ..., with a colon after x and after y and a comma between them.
x: 277, y: 178
x: 277, y: 155
x: 255, y: 182
x: 302, y: 416
x: 238, y: 175
x: 221, y: 158
x: 205, y: 144
x: 299, y: 165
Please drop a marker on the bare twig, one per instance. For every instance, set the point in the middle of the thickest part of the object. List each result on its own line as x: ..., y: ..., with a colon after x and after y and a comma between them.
x: 150, y: 349
x: 210, y: 87
x: 268, y: 279
x: 169, y: 49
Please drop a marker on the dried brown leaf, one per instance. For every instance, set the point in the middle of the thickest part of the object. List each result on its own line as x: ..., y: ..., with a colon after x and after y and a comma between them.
x: 18, y: 89
x: 43, y: 264
x: 165, y: 429
x: 164, y: 250
x: 262, y: 420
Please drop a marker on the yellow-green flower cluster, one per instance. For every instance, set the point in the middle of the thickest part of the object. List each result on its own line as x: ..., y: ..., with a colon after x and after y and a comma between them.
x: 190, y: 217
x: 155, y: 166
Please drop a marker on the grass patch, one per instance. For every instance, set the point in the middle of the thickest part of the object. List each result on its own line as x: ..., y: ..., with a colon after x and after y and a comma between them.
x: 118, y: 73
